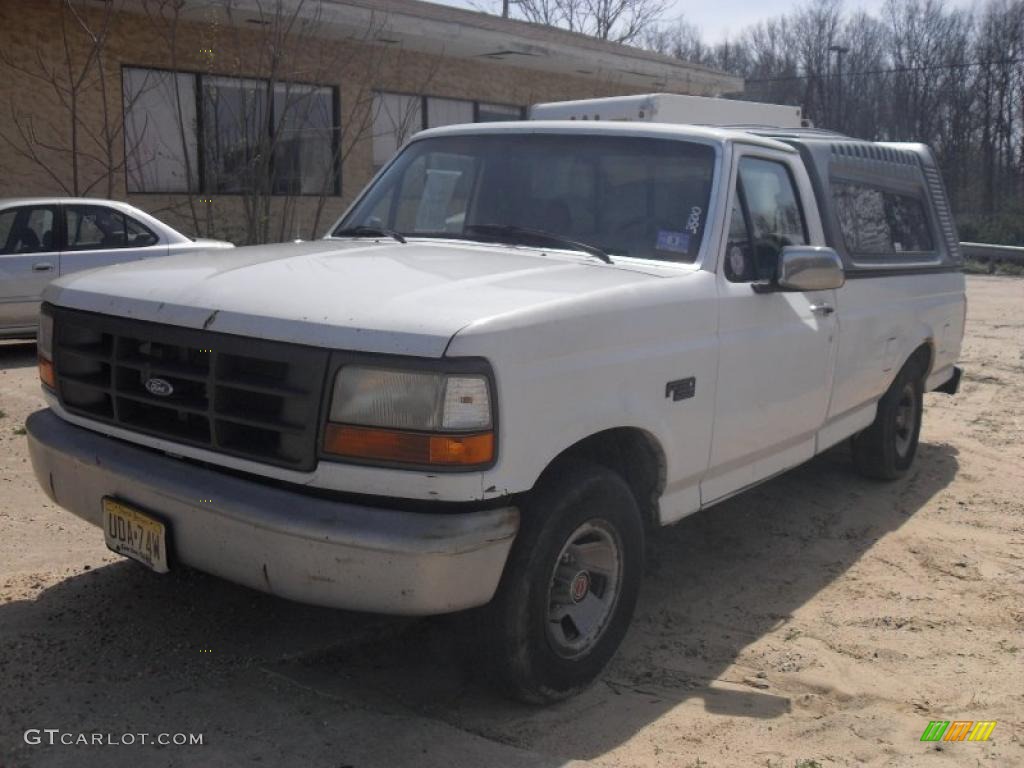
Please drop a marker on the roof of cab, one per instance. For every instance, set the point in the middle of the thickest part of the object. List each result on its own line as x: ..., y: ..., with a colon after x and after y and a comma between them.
x: 615, y: 128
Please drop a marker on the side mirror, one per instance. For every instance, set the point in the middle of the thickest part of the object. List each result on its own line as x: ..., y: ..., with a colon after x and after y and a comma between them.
x: 809, y: 268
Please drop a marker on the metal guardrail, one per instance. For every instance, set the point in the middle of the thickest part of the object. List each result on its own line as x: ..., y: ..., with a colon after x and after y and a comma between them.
x: 985, y: 252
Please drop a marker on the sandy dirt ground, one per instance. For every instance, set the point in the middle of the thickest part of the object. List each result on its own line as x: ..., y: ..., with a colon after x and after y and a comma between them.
x: 819, y: 620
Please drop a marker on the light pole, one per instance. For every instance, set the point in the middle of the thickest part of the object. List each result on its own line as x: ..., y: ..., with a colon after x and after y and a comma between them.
x: 839, y: 50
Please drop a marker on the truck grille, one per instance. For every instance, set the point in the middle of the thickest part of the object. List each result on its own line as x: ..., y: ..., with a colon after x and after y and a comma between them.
x: 244, y: 397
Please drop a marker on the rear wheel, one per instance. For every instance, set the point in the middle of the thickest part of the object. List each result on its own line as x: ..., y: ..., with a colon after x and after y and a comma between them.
x: 886, y: 449
x: 569, y: 589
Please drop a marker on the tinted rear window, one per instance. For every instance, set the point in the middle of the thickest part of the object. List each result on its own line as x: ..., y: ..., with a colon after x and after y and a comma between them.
x: 878, y: 222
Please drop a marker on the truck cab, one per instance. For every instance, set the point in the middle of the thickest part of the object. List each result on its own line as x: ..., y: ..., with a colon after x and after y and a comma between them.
x: 522, y: 349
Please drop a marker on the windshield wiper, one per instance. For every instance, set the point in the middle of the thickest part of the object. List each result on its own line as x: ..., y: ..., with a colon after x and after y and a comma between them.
x: 365, y: 231
x: 506, y: 231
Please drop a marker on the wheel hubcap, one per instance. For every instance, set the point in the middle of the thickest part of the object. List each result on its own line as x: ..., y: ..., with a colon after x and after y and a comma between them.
x: 584, y: 589
x: 906, y: 416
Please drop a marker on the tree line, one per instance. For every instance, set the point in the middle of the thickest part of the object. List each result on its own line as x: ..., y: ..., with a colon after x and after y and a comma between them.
x: 918, y: 70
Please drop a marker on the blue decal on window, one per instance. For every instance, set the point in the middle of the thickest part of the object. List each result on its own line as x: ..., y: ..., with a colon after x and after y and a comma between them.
x: 675, y: 242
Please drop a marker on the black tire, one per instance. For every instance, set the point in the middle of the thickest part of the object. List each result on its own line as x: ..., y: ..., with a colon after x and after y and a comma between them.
x: 886, y: 449
x: 522, y: 648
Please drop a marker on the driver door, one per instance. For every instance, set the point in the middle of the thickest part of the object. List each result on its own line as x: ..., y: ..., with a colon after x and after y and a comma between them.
x: 777, y: 348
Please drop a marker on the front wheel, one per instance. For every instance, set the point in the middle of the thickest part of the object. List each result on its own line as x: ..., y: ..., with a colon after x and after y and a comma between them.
x: 569, y: 589
x: 886, y: 449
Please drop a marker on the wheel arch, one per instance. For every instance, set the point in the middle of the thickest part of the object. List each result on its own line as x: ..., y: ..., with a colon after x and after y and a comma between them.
x: 924, y: 354
x: 632, y: 452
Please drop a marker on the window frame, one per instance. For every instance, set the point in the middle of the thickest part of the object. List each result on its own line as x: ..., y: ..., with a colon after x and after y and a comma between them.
x: 201, y: 180
x: 865, y: 259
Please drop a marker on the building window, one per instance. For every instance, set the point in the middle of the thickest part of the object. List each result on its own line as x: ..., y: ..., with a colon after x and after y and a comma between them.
x: 235, y: 135
x: 304, y: 149
x: 494, y: 113
x: 448, y: 112
x: 396, y: 117
x: 160, y: 131
x: 249, y: 137
x: 877, y: 222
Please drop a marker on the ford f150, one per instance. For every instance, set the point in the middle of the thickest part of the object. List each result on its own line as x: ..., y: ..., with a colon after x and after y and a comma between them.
x: 524, y: 347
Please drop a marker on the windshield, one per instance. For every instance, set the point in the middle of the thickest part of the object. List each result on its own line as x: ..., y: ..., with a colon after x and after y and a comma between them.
x: 621, y: 195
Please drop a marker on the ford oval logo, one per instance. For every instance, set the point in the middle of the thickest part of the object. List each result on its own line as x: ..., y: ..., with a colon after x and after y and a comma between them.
x: 159, y: 387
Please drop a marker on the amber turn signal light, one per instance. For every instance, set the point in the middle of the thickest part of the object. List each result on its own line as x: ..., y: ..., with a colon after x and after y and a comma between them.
x: 377, y: 444
x: 46, y: 373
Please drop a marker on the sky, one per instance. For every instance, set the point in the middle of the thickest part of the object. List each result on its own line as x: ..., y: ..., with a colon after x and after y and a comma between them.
x: 723, y: 19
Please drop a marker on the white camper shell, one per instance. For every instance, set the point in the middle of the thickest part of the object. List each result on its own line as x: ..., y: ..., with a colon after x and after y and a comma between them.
x: 673, y: 108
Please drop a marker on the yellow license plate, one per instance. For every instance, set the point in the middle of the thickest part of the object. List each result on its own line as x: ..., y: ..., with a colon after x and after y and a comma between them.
x: 132, y: 533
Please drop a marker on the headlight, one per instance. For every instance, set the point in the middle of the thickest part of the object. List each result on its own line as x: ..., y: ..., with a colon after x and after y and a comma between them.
x: 410, y: 417
x: 44, y: 349
x: 44, y: 340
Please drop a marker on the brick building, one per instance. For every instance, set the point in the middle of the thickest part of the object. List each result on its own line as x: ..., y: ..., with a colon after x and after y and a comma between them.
x: 261, y: 121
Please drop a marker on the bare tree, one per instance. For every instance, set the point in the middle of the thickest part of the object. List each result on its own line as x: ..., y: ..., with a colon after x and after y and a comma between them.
x: 77, y: 153
x: 918, y: 71
x: 621, y: 21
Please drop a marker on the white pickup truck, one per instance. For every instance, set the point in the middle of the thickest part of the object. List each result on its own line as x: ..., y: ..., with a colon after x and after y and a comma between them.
x: 523, y: 348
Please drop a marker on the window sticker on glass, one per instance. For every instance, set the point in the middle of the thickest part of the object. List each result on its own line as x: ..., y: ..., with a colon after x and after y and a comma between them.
x: 673, y: 242
x: 693, y: 223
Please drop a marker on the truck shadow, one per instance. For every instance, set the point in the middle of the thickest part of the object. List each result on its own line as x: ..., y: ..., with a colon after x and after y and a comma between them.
x: 716, y: 582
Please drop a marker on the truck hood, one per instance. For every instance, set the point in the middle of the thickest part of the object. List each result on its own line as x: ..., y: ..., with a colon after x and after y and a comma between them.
x: 357, y: 295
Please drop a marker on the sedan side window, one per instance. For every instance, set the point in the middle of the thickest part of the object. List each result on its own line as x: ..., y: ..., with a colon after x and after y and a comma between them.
x: 138, y: 234
x: 28, y: 229
x: 94, y: 228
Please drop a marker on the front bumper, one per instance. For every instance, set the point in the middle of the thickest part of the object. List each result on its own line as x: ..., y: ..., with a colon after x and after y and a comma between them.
x: 280, y: 541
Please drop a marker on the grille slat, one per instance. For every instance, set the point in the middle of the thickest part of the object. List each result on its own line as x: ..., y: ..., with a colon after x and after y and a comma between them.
x: 89, y: 352
x: 260, y: 387
x: 265, y: 424
x: 245, y: 397
x: 178, y: 371
x: 170, y: 405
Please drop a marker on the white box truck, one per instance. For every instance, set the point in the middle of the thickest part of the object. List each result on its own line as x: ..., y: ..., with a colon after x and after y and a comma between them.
x: 674, y: 108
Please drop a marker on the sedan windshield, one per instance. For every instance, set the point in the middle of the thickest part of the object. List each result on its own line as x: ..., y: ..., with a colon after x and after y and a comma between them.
x: 606, y: 195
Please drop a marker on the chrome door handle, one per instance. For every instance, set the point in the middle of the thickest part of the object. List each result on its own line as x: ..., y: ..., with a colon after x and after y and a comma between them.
x: 42, y: 266
x: 822, y: 309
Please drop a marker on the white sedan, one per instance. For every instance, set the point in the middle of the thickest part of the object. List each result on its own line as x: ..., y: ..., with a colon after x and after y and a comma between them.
x: 43, y: 237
